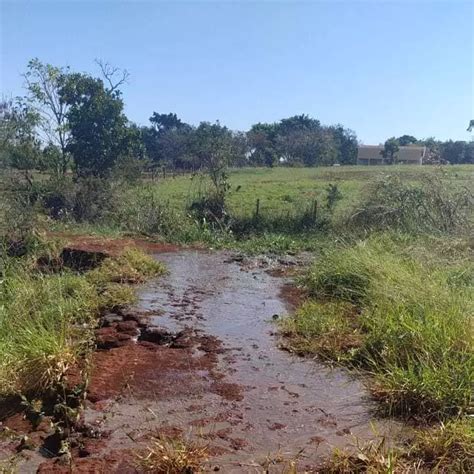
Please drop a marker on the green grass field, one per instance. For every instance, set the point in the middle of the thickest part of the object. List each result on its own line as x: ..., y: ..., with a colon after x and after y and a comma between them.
x: 287, y: 189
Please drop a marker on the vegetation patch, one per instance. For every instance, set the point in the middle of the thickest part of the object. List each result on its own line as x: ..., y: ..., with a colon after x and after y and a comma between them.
x: 444, y: 448
x: 397, y: 318
x: 174, y: 456
x: 47, y: 320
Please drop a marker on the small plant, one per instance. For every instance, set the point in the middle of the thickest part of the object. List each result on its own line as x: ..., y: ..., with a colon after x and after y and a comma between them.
x: 372, y: 458
x: 174, y: 456
x: 333, y: 196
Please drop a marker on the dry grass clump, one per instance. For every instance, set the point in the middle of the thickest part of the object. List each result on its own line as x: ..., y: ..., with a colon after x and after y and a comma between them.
x: 444, y: 448
x: 372, y: 457
x: 448, y: 447
x: 174, y: 456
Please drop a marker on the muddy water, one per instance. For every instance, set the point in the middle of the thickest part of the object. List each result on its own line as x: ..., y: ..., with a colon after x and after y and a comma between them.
x: 287, y: 403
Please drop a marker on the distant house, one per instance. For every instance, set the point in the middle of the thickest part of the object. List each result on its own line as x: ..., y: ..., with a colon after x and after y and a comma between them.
x: 372, y: 155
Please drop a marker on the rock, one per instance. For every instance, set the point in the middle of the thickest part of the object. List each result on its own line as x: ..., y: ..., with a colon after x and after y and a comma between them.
x: 288, y: 261
x: 275, y: 317
x: 183, y: 340
x: 235, y: 258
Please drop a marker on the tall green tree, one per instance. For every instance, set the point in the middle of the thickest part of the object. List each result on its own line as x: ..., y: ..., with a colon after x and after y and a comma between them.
x: 262, y: 144
x: 168, y: 141
x: 43, y: 83
x: 100, y: 133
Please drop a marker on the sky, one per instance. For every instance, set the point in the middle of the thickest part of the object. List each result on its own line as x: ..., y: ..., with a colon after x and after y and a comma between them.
x: 380, y: 68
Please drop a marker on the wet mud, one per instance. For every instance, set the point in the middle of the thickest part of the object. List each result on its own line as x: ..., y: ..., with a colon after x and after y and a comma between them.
x: 198, y: 358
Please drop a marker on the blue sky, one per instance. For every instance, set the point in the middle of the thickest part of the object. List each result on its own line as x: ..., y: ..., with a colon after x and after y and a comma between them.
x: 380, y: 68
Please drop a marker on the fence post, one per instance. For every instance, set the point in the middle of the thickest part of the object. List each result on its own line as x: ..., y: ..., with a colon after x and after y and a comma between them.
x: 257, y: 208
x: 315, y: 210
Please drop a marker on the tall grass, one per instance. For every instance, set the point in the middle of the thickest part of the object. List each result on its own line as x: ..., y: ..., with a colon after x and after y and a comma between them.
x: 47, y: 319
x: 432, y: 204
x: 400, y: 319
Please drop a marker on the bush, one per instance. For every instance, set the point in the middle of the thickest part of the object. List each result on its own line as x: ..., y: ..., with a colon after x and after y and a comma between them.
x: 433, y: 204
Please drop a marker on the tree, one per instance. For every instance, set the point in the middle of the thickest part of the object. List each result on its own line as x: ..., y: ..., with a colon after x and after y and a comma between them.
x: 390, y: 150
x: 100, y: 134
x: 168, y: 141
x: 44, y: 82
x: 213, y: 146
x: 456, y: 152
x: 346, y: 144
x: 166, y: 122
x: 405, y: 140
x: 262, y: 144
x: 19, y: 145
x: 471, y: 126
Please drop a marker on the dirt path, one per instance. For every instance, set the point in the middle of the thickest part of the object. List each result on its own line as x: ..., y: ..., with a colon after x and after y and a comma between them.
x: 207, y: 366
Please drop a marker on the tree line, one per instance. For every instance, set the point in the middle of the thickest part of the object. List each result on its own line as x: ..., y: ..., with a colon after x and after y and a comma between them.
x: 449, y: 151
x: 75, y: 122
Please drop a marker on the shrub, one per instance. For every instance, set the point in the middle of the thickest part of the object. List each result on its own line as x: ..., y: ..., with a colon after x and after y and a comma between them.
x: 432, y: 204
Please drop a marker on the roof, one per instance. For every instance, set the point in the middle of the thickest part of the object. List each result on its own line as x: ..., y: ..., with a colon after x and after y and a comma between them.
x: 405, y: 153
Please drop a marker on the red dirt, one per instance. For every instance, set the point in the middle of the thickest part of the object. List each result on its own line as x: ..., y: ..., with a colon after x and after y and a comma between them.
x: 116, y: 462
x: 111, y: 246
x: 293, y: 295
x: 146, y: 370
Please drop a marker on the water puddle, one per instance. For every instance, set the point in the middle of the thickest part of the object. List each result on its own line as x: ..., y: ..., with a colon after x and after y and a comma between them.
x: 288, y: 403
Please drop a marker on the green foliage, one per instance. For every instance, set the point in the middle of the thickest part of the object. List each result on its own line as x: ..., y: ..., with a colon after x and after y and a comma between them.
x: 390, y: 150
x: 333, y: 195
x: 100, y: 134
x: 43, y: 82
x: 301, y: 140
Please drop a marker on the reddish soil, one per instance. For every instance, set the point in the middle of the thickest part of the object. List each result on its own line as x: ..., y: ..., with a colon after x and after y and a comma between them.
x: 111, y: 246
x: 148, y: 370
x: 122, y: 462
x: 293, y: 295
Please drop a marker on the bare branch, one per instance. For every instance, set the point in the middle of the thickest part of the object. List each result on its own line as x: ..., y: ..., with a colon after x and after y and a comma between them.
x: 114, y: 76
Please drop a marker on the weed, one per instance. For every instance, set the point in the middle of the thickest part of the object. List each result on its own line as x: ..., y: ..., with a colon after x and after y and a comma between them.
x: 328, y: 329
x: 372, y: 458
x: 174, y: 456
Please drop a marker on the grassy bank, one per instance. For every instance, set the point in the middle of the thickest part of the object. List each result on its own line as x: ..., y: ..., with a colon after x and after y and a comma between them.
x: 400, y: 309
x: 47, y: 318
x: 408, y: 322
